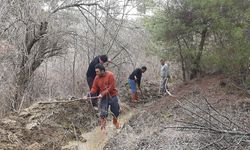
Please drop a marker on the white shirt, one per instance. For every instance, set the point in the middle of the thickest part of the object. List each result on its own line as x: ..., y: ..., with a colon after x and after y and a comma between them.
x: 164, y: 70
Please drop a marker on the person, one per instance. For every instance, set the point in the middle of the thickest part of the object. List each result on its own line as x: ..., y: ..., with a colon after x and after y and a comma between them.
x: 135, y: 79
x: 91, y: 74
x: 105, y: 83
x: 164, y: 77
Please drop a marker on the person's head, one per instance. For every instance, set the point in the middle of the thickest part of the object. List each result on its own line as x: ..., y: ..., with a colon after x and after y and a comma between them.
x: 99, y: 70
x: 143, y: 69
x: 162, y: 61
x: 103, y: 59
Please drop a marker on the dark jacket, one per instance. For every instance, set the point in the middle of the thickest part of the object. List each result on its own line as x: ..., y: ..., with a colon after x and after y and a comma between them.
x: 138, y: 74
x: 91, y: 70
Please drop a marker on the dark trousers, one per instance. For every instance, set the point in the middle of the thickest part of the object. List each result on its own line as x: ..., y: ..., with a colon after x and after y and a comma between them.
x: 90, y: 81
x: 114, y: 106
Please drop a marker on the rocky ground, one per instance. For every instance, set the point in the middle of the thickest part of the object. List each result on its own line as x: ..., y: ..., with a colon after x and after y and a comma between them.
x: 203, y: 114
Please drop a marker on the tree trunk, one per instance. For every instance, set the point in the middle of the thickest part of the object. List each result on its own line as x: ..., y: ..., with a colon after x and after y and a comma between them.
x: 22, y: 80
x: 73, y: 73
x: 29, y: 62
x: 195, y: 72
x: 182, y: 61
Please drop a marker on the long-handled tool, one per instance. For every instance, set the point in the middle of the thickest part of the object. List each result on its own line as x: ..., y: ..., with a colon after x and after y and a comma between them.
x: 166, y: 88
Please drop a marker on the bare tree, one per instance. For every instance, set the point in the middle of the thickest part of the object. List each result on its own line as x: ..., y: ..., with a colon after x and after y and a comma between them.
x: 39, y: 31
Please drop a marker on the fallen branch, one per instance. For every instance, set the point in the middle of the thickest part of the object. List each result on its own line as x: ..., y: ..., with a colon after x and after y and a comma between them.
x: 212, y: 143
x: 194, y: 113
x: 223, y: 115
x: 225, y: 125
x: 210, y: 130
x: 70, y: 101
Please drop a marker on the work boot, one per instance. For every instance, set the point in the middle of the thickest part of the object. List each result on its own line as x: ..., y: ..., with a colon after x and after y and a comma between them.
x: 134, y: 97
x: 103, y: 125
x: 116, y: 123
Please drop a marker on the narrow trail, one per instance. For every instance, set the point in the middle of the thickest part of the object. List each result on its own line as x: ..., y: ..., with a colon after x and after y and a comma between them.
x: 95, y: 139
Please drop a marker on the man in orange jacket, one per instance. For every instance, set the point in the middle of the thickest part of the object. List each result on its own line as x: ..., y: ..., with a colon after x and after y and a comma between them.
x: 105, y: 83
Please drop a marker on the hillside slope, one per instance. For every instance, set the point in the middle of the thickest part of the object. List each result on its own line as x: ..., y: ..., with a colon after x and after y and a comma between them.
x: 205, y: 114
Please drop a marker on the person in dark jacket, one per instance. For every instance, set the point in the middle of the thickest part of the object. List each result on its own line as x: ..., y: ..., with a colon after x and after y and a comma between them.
x: 101, y: 59
x: 135, y: 79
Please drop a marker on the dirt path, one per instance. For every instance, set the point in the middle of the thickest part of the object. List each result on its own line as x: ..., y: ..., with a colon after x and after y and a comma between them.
x: 95, y: 139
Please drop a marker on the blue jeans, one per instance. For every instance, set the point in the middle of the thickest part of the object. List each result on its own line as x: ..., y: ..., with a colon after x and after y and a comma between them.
x: 132, y: 85
x: 114, y: 106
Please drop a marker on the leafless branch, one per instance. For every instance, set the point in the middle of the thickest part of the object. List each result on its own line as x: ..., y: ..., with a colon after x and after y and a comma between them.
x: 207, y: 129
x: 212, y: 143
x: 194, y: 113
x: 223, y: 115
x: 74, y: 5
x: 203, y: 110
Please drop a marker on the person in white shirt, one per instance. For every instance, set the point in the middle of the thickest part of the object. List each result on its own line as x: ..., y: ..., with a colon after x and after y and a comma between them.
x: 164, y: 77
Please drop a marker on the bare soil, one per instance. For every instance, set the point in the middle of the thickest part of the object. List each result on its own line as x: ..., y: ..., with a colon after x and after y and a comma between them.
x: 181, y: 122
x: 46, y: 126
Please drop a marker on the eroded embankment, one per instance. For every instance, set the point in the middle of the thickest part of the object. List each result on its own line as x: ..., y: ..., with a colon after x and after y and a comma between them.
x: 46, y: 126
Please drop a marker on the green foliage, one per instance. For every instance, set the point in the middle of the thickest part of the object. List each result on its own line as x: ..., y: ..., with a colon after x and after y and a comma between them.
x: 156, y: 26
x: 226, y: 48
x: 211, y: 62
x: 235, y: 59
x: 247, y: 81
x: 143, y: 5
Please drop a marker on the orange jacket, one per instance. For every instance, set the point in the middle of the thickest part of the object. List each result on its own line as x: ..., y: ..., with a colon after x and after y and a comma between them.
x: 105, y: 85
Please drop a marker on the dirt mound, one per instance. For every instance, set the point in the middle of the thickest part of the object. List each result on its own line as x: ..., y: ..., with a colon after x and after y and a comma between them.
x: 150, y: 93
x: 46, y: 126
x: 203, y: 115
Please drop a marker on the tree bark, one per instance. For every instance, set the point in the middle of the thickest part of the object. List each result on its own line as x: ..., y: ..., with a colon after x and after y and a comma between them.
x: 195, y: 72
x: 30, y: 61
x: 182, y: 60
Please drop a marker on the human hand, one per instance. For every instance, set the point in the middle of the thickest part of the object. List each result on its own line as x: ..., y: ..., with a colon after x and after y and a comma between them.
x: 99, y: 96
x: 88, y: 94
x: 85, y: 97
